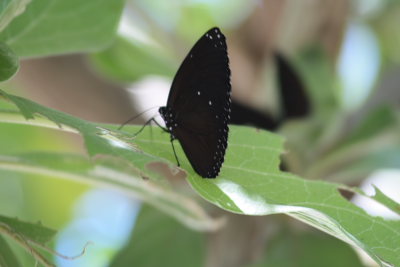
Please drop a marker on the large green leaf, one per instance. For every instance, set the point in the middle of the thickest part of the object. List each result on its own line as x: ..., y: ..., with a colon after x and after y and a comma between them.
x: 49, y: 27
x: 159, y: 240
x: 250, y: 181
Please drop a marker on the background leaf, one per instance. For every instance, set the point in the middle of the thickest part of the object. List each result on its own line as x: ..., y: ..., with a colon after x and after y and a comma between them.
x: 7, y: 256
x: 9, y: 9
x: 28, y: 236
x: 127, y: 61
x: 307, y: 249
x: 49, y: 27
x: 159, y: 240
x: 35, y: 232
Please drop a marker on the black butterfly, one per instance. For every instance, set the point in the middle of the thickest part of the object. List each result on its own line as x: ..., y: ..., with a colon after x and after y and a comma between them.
x: 199, y: 104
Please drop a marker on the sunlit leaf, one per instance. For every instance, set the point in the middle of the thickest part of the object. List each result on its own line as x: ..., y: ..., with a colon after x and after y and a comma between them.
x: 251, y: 183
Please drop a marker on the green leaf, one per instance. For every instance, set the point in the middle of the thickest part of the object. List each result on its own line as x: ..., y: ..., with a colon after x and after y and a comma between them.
x: 126, y: 61
x: 307, y: 249
x: 122, y: 163
x: 250, y: 181
x: 386, y: 201
x: 49, y: 27
x: 159, y: 240
x: 7, y: 256
x: 8, y: 62
x: 9, y: 9
x: 98, y: 140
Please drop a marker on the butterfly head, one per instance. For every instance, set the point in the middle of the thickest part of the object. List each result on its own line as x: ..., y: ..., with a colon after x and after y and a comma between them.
x: 167, y: 115
x: 162, y: 111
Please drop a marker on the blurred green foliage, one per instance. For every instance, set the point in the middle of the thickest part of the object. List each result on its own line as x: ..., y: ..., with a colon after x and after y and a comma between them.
x: 125, y: 61
x: 323, y: 146
x: 174, y: 245
x: 307, y: 249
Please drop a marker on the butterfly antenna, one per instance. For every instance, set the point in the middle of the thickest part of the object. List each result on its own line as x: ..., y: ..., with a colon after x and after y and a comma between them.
x: 135, y: 117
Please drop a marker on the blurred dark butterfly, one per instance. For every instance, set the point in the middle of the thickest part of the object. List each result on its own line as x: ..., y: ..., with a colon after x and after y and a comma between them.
x: 199, y: 104
x: 294, y: 100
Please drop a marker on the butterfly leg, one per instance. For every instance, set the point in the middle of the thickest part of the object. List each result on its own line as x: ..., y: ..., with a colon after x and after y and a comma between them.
x: 147, y: 123
x: 141, y: 129
x: 163, y: 128
x: 173, y: 148
x: 172, y: 141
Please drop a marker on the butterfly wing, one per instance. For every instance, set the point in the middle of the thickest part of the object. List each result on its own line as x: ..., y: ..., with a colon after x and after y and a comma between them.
x: 200, y: 100
x: 203, y: 136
